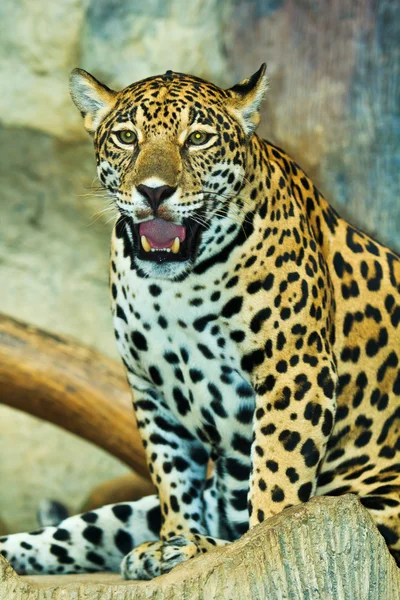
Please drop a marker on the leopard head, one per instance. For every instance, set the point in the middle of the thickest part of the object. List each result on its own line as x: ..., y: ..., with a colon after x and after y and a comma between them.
x: 172, y: 151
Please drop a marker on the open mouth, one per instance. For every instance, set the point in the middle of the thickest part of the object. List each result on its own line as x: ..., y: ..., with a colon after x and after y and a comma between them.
x: 162, y: 241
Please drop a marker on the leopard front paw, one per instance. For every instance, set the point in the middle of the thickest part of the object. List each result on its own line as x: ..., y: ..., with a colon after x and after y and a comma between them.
x: 143, y: 562
x: 176, y: 550
x: 156, y: 558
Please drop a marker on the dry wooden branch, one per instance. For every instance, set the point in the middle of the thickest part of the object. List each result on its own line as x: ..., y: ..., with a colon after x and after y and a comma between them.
x: 327, y: 549
x: 70, y: 385
x: 124, y: 488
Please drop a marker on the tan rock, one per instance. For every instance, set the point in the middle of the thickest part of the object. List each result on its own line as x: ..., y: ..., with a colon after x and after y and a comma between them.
x: 127, y: 41
x: 39, y: 45
x: 41, y: 42
x: 327, y: 549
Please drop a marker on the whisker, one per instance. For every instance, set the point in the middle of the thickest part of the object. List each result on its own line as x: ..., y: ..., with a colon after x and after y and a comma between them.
x: 104, y: 210
x: 93, y: 195
x: 242, y: 200
x: 100, y: 213
x: 110, y: 219
x: 237, y: 217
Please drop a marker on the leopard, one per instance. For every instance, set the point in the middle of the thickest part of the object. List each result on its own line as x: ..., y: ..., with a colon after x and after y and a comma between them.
x: 258, y: 329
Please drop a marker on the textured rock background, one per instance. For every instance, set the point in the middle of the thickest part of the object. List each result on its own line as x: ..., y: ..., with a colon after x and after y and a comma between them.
x: 333, y: 102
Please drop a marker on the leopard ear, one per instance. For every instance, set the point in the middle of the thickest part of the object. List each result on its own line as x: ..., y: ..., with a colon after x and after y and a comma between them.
x: 92, y: 98
x: 245, y: 99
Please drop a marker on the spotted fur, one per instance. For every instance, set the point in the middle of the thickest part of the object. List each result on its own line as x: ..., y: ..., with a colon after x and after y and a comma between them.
x: 269, y: 343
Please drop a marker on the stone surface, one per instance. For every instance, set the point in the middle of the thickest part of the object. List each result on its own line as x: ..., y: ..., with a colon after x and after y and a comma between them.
x: 126, y: 41
x: 41, y: 42
x: 333, y: 100
x: 54, y: 251
x: 39, y: 45
x: 328, y: 548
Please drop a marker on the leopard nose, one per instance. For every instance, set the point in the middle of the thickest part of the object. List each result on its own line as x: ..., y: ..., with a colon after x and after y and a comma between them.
x: 156, y: 195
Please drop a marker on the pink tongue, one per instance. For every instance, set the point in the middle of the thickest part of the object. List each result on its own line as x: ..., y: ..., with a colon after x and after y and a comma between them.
x: 160, y: 233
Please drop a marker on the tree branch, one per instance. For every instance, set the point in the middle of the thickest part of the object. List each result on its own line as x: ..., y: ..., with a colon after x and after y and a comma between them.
x: 60, y: 381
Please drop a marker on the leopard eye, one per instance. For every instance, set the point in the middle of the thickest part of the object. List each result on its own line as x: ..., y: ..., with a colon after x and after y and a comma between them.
x: 198, y: 138
x: 126, y: 136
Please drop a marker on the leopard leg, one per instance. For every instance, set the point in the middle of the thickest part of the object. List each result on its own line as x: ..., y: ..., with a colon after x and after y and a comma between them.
x: 289, y: 443
x: 94, y: 541
x: 213, y: 516
x: 232, y: 474
x: 178, y: 467
x: 383, y: 502
x: 155, y: 558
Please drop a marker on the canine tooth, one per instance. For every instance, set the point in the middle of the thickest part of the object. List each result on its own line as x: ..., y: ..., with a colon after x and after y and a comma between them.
x: 145, y: 243
x: 176, y: 245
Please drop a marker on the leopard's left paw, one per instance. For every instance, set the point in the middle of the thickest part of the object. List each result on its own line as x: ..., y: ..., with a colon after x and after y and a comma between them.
x: 143, y: 562
x: 156, y: 558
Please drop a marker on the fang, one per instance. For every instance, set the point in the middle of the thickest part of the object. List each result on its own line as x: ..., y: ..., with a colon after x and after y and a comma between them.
x: 176, y: 245
x: 145, y: 243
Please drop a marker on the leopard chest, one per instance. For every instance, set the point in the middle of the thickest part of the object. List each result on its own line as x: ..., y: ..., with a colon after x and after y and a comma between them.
x: 173, y: 341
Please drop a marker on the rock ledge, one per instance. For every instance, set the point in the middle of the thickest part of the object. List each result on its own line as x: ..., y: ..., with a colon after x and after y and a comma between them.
x: 328, y: 548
